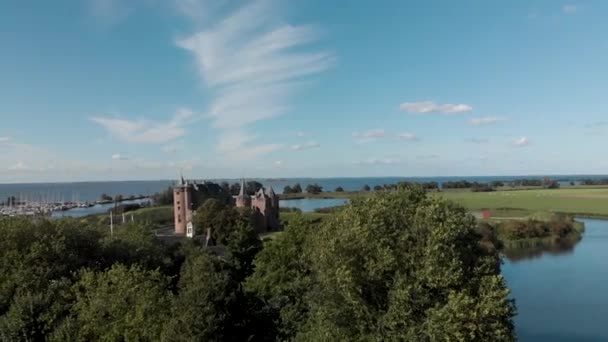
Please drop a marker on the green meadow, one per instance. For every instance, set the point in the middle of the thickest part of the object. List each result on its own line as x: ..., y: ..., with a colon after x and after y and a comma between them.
x: 592, y: 201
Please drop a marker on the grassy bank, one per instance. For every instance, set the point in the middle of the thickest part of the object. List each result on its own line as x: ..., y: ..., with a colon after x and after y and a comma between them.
x: 583, y: 201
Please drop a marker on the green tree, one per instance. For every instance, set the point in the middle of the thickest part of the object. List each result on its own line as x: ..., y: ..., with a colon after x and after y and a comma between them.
x: 377, y: 188
x: 225, y: 187
x: 411, y: 269
x: 339, y: 189
x: 120, y: 304
x: 37, y: 258
x: 235, y: 189
x: 252, y: 187
x: 297, y: 188
x: 287, y: 190
x: 202, y: 309
x: 220, y: 218
x: 366, y: 188
x: 314, y: 188
x: 242, y: 246
x: 283, y: 276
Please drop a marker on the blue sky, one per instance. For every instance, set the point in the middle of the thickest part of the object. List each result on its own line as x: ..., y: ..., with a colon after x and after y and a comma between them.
x: 141, y: 89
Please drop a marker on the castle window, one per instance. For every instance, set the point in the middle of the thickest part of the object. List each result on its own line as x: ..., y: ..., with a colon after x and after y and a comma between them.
x: 179, y: 219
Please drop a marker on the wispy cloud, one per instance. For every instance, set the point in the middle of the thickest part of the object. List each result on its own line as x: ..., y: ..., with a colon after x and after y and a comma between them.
x: 305, y: 146
x: 477, y: 140
x: 118, y: 156
x: 238, y: 145
x: 379, y: 133
x: 521, y: 142
x: 407, y: 137
x: 4, y: 140
x: 369, y: 135
x: 425, y: 107
x: 486, y: 120
x: 380, y: 161
x: 301, y: 134
x: 253, y: 64
x: 145, y: 131
x: 569, y: 9
x: 19, y: 166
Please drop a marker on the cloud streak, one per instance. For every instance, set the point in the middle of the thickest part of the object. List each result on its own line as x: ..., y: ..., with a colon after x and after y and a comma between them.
x: 486, y: 120
x: 145, y: 131
x: 253, y: 65
x: 379, y: 133
x: 306, y: 146
x: 427, y: 107
x: 370, y: 135
x: 521, y: 142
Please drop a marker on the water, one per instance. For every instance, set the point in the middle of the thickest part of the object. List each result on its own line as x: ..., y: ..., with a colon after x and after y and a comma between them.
x: 96, y: 209
x: 310, y: 204
x: 561, y: 295
x: 91, y: 191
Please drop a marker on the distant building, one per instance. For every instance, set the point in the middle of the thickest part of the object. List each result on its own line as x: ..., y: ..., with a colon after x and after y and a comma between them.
x: 187, y: 197
x: 264, y: 206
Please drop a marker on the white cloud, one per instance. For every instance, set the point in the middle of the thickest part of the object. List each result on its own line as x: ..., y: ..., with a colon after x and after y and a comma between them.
x: 307, y: 145
x: 19, y: 166
x: 4, y: 139
x: 300, y: 134
x: 486, y: 120
x: 378, y: 133
x: 370, y: 135
x: 521, y: 142
x: 278, y: 163
x: 569, y: 9
x: 253, y: 63
x: 407, y: 137
x: 238, y: 145
x: 118, y: 156
x: 382, y: 161
x: 146, y: 131
x: 425, y: 107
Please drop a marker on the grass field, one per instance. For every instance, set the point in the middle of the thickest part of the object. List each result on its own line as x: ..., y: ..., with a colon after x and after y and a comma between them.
x: 580, y: 201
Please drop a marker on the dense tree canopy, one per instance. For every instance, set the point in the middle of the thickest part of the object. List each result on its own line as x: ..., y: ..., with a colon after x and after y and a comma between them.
x: 395, y: 265
x: 411, y: 268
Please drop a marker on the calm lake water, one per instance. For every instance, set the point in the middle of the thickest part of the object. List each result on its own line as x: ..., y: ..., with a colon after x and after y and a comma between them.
x: 96, y: 209
x: 309, y: 205
x: 561, y: 295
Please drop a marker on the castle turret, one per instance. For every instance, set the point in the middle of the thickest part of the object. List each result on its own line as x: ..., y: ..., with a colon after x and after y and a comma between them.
x: 180, y: 207
x: 274, y: 200
x: 243, y: 200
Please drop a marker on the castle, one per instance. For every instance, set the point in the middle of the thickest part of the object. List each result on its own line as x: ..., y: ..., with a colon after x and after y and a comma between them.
x: 188, y: 196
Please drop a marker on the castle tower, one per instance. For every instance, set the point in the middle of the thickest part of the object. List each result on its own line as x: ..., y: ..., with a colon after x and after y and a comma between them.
x: 181, y: 209
x: 243, y: 200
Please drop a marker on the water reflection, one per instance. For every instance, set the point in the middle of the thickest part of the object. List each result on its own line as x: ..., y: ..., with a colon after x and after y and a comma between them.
x: 522, y: 251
